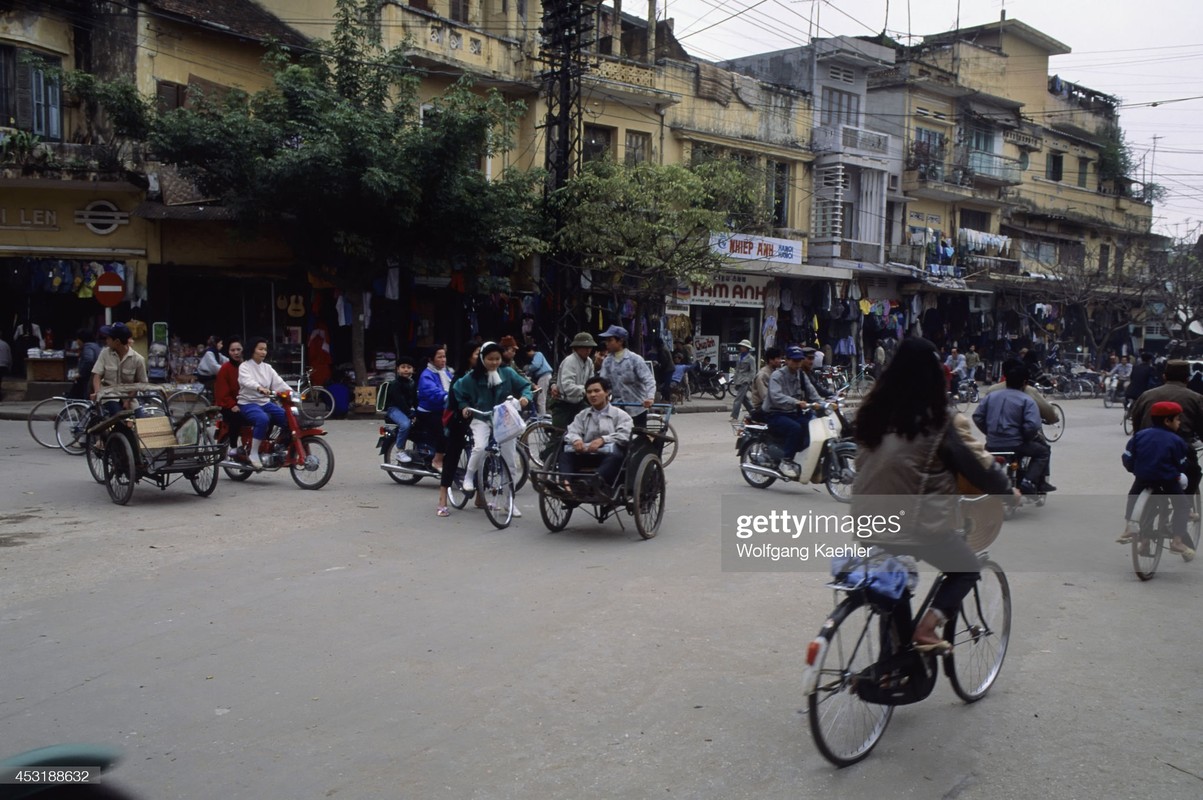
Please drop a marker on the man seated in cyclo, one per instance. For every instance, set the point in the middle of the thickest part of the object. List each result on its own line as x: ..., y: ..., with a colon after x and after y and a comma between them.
x: 1157, y: 457
x: 1011, y: 422
x: 598, y: 436
x: 401, y: 404
x: 117, y: 365
x: 787, y: 404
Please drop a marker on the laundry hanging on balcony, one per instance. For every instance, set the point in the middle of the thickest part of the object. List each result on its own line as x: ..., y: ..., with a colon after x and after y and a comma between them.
x: 980, y: 241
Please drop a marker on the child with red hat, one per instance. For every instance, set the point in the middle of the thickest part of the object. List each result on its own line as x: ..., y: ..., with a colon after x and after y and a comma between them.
x: 1157, y: 457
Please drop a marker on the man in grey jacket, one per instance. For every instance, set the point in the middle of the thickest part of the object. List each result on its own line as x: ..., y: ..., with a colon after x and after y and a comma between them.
x: 569, y: 390
x: 788, y: 404
x: 599, y: 433
x: 629, y: 375
x: 745, y: 372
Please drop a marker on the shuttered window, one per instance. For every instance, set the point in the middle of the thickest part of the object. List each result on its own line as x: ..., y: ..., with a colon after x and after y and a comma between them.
x: 30, y: 99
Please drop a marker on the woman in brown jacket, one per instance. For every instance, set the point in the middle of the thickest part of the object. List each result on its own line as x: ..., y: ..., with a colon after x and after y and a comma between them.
x: 911, y: 451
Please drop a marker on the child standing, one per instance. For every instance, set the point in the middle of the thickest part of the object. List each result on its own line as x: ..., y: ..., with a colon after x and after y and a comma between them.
x: 401, y: 403
x: 1157, y: 456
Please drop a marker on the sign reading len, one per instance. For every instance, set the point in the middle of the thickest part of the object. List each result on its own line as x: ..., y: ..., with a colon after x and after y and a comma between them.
x: 110, y: 289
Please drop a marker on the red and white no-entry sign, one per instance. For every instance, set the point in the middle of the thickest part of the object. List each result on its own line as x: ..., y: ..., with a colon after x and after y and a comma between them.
x: 110, y: 289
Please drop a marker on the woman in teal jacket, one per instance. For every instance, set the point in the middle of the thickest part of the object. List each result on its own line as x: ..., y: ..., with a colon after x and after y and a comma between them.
x: 484, y: 388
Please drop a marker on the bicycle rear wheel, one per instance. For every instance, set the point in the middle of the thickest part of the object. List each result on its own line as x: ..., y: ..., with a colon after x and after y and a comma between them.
x: 1055, y: 430
x: 1148, y: 545
x: 539, y: 441
x: 979, y: 635
x: 41, y: 421
x: 184, y: 402
x: 316, y: 401
x: 497, y: 487
x: 455, y: 492
x: 845, y: 727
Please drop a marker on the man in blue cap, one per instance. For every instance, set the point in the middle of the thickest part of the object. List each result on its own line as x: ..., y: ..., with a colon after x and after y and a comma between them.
x: 788, y: 403
x: 631, y: 379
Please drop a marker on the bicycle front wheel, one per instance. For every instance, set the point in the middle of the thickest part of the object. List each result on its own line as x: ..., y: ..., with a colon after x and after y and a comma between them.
x: 41, y: 421
x: 979, y: 635
x: 68, y: 428
x: 316, y: 401
x: 845, y: 727
x: 497, y: 487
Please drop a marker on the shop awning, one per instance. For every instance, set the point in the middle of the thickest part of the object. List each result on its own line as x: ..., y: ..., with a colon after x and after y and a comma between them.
x: 944, y: 285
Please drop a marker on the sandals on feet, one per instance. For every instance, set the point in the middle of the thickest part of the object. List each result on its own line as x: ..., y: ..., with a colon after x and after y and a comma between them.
x: 442, y: 511
x: 1187, y: 553
x: 941, y: 646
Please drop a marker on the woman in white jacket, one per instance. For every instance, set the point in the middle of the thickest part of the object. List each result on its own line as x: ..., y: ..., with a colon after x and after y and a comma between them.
x: 257, y: 382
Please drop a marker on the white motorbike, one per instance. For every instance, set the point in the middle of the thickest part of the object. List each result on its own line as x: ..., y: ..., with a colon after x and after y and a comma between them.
x: 829, y: 459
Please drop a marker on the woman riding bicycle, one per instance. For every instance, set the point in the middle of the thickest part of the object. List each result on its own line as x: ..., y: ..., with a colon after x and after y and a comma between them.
x: 485, y: 387
x: 912, y: 448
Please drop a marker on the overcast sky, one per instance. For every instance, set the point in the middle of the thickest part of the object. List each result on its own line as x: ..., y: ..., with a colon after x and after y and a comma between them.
x: 1140, y: 52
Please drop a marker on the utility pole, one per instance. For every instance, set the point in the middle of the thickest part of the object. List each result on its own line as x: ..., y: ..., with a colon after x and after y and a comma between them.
x: 567, y: 32
x: 1153, y: 162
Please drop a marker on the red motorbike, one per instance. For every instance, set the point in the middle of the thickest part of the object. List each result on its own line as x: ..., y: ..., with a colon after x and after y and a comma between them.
x: 299, y: 447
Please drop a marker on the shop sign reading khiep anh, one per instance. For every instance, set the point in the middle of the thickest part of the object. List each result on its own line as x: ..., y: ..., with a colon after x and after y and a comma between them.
x: 757, y: 248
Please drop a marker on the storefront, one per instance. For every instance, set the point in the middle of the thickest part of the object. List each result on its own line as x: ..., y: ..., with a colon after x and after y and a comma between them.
x: 57, y: 237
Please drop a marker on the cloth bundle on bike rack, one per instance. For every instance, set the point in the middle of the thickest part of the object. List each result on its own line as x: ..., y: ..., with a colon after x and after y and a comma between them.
x: 882, y: 574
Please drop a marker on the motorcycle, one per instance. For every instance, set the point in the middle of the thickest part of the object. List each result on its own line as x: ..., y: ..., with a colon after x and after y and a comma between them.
x: 421, y: 459
x: 710, y: 381
x: 1015, y: 467
x: 299, y: 447
x: 830, y: 458
x: 420, y: 462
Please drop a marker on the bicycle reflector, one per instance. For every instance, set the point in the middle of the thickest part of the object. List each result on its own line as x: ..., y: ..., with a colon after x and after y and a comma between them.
x: 813, y: 651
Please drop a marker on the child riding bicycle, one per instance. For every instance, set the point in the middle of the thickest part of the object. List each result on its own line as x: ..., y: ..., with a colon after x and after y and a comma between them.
x: 1157, y: 457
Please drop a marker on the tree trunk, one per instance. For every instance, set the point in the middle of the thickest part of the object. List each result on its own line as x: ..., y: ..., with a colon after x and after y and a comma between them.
x: 357, y: 355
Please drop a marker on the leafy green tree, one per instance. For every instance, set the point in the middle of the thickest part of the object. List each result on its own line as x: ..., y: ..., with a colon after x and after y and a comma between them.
x: 643, y: 229
x: 339, y: 154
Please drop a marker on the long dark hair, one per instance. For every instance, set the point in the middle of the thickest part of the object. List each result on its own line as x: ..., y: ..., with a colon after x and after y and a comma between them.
x: 910, y: 397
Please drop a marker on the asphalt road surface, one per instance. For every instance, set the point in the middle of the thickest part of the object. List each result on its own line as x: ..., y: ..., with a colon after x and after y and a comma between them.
x: 272, y: 643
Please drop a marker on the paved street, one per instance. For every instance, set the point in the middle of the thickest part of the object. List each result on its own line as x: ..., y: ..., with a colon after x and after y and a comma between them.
x: 274, y: 643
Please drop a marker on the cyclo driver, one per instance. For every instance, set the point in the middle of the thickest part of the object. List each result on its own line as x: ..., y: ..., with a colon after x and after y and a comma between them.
x: 788, y: 403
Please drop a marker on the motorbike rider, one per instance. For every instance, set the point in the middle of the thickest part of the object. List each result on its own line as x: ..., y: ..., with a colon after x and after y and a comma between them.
x: 1143, y: 378
x: 1122, y: 372
x: 788, y: 402
x: 257, y: 382
x: 957, y: 367
x: 760, y: 384
x: 629, y: 375
x: 225, y: 393
x: 1048, y: 414
x: 1175, y: 390
x: 1011, y: 422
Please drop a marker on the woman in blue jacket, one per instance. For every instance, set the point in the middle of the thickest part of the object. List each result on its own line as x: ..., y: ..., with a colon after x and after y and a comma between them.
x: 433, y: 385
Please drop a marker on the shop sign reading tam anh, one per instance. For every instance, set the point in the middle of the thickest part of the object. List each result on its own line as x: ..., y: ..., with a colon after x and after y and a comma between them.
x: 743, y: 291
x: 756, y: 248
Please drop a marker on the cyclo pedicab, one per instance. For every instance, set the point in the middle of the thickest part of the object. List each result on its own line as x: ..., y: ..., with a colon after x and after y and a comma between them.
x: 142, y: 442
x: 639, y: 488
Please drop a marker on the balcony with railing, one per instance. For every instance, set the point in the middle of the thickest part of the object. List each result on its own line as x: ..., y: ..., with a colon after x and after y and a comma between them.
x: 963, y: 265
x: 990, y: 167
x: 848, y: 139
